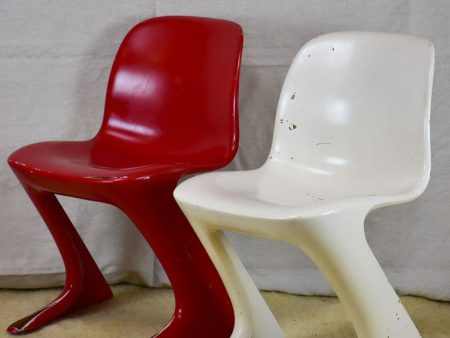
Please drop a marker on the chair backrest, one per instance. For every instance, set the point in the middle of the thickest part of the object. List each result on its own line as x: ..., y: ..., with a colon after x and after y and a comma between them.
x: 172, y: 92
x: 355, y: 107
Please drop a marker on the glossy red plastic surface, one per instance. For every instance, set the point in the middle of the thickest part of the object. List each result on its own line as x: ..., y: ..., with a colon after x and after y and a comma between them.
x: 171, y: 110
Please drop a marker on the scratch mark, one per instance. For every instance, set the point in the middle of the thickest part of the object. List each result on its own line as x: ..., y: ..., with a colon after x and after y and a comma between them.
x: 102, y: 177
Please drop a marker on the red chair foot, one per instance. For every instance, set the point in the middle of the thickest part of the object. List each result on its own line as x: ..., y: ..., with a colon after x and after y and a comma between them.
x: 48, y: 313
x: 23, y: 325
x: 68, y: 301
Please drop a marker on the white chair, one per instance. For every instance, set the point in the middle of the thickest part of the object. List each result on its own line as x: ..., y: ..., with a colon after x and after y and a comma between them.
x: 351, y: 135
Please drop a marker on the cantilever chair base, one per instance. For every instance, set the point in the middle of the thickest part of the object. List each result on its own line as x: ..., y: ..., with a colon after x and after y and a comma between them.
x: 335, y: 241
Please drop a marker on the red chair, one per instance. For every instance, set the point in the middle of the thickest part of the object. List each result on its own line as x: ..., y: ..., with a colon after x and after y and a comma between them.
x: 171, y: 110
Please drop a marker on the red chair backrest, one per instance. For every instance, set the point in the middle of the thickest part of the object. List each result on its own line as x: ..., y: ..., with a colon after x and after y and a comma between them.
x: 173, y: 90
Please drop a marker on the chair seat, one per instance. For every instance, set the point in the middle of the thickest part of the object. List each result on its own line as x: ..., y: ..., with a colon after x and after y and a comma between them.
x: 273, y: 192
x: 59, y: 165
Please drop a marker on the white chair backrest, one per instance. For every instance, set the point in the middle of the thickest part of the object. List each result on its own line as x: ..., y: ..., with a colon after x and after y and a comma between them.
x: 355, y: 106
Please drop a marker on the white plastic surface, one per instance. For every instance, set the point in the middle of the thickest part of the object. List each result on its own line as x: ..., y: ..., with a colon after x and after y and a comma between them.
x: 351, y: 135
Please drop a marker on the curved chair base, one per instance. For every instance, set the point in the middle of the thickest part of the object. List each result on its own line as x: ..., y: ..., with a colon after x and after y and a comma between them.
x: 335, y: 242
x: 200, y: 294
x: 252, y: 316
x: 85, y: 284
x: 202, y: 308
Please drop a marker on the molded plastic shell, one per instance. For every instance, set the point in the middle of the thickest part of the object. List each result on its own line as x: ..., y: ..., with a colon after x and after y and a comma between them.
x: 171, y: 109
x: 351, y: 135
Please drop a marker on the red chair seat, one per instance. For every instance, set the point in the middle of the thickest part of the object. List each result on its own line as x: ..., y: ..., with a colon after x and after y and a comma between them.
x: 62, y: 161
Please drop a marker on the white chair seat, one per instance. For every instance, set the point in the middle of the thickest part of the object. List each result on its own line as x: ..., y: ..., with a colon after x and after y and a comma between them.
x: 275, y: 191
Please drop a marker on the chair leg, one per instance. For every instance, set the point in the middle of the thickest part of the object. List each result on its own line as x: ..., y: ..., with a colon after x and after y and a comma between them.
x: 85, y: 284
x: 253, y: 317
x: 202, y: 306
x: 337, y: 244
